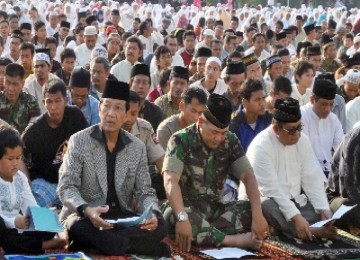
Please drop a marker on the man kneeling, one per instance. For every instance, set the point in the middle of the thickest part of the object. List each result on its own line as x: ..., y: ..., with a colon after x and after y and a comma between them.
x: 198, y: 159
x: 289, y: 176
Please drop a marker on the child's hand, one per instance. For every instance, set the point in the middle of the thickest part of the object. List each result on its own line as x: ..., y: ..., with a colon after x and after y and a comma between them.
x: 22, y: 222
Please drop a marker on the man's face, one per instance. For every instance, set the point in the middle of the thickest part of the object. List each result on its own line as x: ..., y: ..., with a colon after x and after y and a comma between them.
x: 189, y: 43
x: 216, y: 50
x: 4, y: 29
x: 26, y: 35
x: 115, y: 19
x: 68, y: 64
x: 132, y: 52
x: 172, y: 45
x: 98, y: 76
x: 42, y: 70
x: 192, y: 111
x: 211, y: 135
x: 54, y: 20
x: 276, y: 70
x: 177, y: 87
x: 164, y: 61
x: 207, y: 39
x: 200, y: 65
x: 212, y: 71
x: 136, y: 25
x: 90, y: 41
x: 63, y: 33
x: 26, y: 58
x: 209, y: 24
x: 235, y: 82
x: 219, y: 30
x: 113, y: 46
x: 289, y: 133
x: 41, y: 33
x: 319, y: 33
x: 306, y: 79
x: 14, y: 24
x: 285, y: 64
x: 312, y: 35
x: 259, y: 44
x: 79, y: 96
x: 348, y: 42
x: 254, y: 71
x: 322, y: 107
x: 315, y: 61
x: 299, y: 23
x: 277, y: 28
x: 55, y: 106
x: 13, y: 87
x: 141, y: 85
x: 330, y: 52
x: 52, y: 48
x: 80, y: 38
x: 112, y: 114
x: 14, y: 46
x: 330, y: 31
x: 131, y: 116
x: 351, y: 90
x: 283, y: 42
x: 256, y: 104
x: 234, y: 25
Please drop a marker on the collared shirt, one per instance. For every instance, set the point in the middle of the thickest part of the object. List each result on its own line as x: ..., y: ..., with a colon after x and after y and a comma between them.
x: 51, y: 31
x: 245, y: 132
x: 220, y: 87
x: 20, y: 114
x: 203, y: 171
x: 228, y: 95
x: 283, y: 171
x: 90, y: 109
x: 328, y: 66
x: 143, y: 130
x: 167, y: 105
x: 325, y: 134
x: 33, y: 87
x: 7, y: 55
x: 83, y: 54
x: 167, y: 128
x: 152, y: 113
x: 303, y: 99
x: 122, y: 70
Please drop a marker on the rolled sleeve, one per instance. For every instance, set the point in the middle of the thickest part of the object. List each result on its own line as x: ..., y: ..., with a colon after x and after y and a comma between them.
x: 174, y: 160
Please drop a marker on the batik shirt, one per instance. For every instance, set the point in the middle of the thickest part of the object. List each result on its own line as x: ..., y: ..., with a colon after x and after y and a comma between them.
x: 203, y: 170
x: 19, y: 115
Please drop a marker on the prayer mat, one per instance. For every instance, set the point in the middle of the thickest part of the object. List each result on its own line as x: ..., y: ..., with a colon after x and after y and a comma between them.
x: 346, y: 247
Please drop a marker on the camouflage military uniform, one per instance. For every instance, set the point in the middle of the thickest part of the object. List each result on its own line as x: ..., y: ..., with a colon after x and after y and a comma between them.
x: 203, y: 173
x: 20, y: 114
x: 330, y: 67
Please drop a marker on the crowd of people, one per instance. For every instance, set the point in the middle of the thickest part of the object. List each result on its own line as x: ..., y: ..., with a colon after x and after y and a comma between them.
x: 230, y: 125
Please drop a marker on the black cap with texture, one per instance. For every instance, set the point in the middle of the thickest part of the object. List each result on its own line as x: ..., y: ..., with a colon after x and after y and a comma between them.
x: 280, y: 35
x: 324, y: 88
x: 313, y: 50
x: 287, y: 110
x: 65, y: 24
x: 116, y: 90
x: 140, y: 69
x: 309, y: 27
x: 218, y: 111
x: 26, y: 26
x: 203, y: 52
x: 180, y: 72
x: 234, y: 68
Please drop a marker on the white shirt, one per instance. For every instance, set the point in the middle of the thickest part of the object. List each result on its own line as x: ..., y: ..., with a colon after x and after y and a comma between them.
x: 303, y: 99
x: 220, y: 88
x: 83, y: 54
x: 51, y: 31
x: 15, y: 196
x: 122, y: 70
x: 282, y: 171
x: 352, y: 110
x: 33, y: 87
x: 7, y: 55
x: 325, y: 134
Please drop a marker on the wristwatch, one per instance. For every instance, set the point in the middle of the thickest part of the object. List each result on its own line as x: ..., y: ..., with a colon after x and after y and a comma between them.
x: 182, y: 216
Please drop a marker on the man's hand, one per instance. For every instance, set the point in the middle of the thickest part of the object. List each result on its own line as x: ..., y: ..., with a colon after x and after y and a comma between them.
x: 302, y: 227
x: 183, y: 233
x: 150, y: 224
x: 94, y: 216
x: 326, y: 214
x: 259, y: 227
x: 22, y: 222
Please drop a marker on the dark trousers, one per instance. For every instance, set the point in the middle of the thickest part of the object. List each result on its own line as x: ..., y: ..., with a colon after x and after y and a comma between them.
x: 14, y: 242
x: 117, y: 241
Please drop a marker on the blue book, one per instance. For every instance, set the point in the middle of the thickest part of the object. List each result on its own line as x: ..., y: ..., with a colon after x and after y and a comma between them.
x: 133, y: 221
x: 44, y: 219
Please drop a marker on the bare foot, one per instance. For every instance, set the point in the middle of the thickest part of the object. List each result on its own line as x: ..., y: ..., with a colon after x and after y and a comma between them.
x: 55, y: 243
x: 328, y: 232
x: 242, y: 241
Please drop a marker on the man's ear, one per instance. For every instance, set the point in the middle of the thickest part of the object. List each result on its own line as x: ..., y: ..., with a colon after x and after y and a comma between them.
x: 182, y: 106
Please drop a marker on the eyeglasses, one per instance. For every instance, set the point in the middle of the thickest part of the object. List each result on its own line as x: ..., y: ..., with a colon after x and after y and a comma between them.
x: 293, y: 131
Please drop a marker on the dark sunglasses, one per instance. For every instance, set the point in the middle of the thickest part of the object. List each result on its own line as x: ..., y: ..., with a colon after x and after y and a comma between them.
x: 293, y: 131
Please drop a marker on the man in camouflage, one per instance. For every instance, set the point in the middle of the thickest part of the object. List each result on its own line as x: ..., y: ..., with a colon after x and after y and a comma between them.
x: 17, y: 108
x: 197, y: 161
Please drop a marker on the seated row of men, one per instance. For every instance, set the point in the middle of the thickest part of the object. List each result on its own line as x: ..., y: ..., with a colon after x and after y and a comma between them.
x: 105, y: 165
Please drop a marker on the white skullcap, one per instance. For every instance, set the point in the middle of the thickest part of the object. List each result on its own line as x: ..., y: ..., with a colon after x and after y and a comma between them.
x: 353, y: 76
x: 90, y: 30
x: 215, y: 59
x: 41, y: 57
